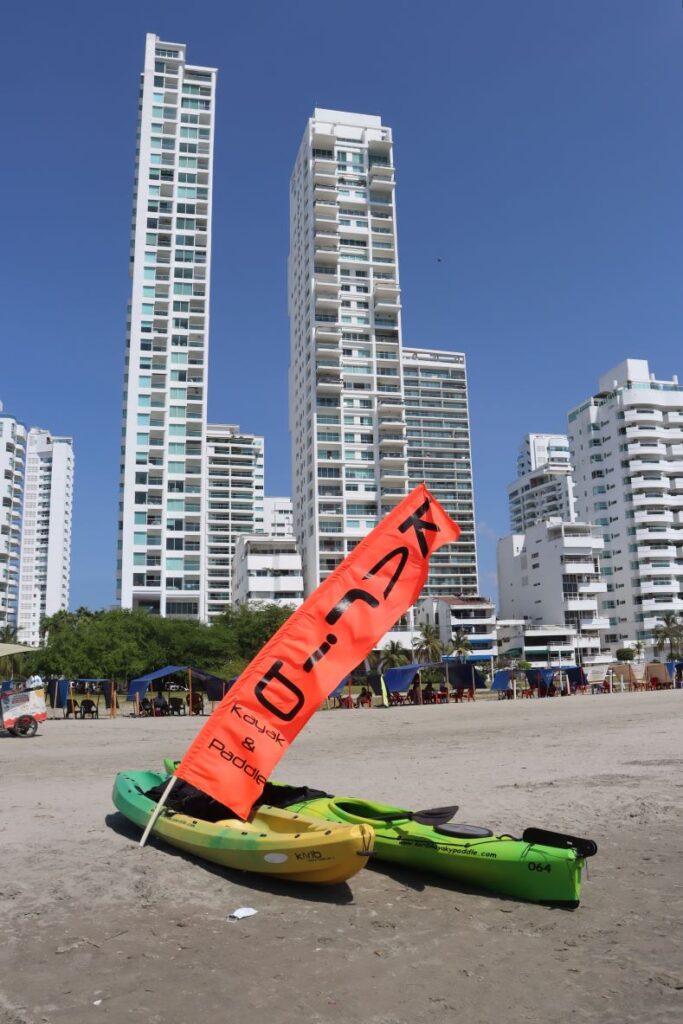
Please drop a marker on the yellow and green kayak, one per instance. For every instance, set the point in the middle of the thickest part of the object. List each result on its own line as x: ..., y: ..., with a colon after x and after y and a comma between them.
x: 541, y: 866
x: 274, y: 841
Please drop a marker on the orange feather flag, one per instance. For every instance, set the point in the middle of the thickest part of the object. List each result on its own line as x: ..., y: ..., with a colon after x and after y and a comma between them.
x: 322, y: 641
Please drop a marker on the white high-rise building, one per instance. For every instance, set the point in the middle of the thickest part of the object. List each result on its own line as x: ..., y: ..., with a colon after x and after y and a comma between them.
x: 36, y: 492
x: 440, y: 454
x: 627, y: 451
x: 162, y: 513
x: 278, y: 517
x: 551, y: 575
x: 46, y: 531
x: 12, y: 466
x: 234, y: 504
x: 346, y: 409
x: 544, y: 487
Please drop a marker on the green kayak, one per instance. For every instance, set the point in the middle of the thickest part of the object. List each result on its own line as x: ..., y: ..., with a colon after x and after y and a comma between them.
x: 542, y: 866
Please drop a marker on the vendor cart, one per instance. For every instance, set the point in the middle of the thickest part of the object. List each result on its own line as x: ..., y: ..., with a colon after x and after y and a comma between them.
x: 21, y: 710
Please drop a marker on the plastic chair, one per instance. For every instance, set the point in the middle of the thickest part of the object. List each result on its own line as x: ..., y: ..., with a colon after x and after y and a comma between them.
x: 176, y: 706
x: 89, y: 708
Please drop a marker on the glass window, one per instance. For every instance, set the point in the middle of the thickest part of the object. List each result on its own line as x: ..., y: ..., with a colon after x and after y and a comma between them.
x: 175, y: 564
x: 140, y: 539
x: 142, y: 439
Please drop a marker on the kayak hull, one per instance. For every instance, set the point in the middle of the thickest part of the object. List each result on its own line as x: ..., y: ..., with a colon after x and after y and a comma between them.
x: 282, y: 843
x: 500, y: 864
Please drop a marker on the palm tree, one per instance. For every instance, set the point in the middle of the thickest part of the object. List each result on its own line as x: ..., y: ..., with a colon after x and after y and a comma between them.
x: 427, y: 646
x: 670, y: 631
x: 460, y: 644
x: 639, y: 647
x: 393, y: 655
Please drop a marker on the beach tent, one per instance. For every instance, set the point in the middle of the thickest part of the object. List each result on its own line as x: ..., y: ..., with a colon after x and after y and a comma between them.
x: 462, y: 675
x: 219, y: 687
x: 7, y: 649
x: 501, y: 679
x: 400, y: 679
x: 657, y: 670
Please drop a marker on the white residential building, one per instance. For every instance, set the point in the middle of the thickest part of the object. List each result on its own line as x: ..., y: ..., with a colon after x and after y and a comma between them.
x: 234, y: 505
x: 542, y: 646
x: 44, y: 575
x: 164, y: 475
x: 346, y: 408
x: 627, y: 452
x: 440, y: 454
x: 278, y: 517
x: 551, y: 574
x: 475, y: 617
x: 544, y: 487
x: 12, y: 466
x: 36, y: 488
x: 267, y: 569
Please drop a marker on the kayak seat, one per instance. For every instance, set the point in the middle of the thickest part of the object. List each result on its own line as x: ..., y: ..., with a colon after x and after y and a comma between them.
x: 372, y: 812
x: 462, y: 831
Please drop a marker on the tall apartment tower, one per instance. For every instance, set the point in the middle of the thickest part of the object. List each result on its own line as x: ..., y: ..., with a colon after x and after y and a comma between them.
x: 162, y: 514
x: 46, y: 531
x: 544, y: 488
x: 346, y: 410
x: 12, y: 466
x: 440, y: 454
x: 234, y: 505
x: 627, y: 451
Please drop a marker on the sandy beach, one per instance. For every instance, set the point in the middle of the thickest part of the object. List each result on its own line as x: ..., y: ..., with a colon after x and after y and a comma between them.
x: 94, y: 928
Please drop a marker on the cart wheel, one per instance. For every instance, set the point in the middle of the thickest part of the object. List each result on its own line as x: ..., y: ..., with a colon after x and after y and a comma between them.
x: 26, y: 725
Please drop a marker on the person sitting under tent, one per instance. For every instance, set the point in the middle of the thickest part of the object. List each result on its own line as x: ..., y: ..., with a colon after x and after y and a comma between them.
x: 428, y: 696
x: 364, y: 698
x: 413, y: 694
x: 160, y: 705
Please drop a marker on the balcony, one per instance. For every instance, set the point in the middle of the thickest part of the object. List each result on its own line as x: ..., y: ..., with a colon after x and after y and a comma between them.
x: 384, y: 305
x: 579, y: 604
x: 596, y: 587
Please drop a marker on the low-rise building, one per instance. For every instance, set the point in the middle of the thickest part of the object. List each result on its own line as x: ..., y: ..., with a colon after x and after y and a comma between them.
x: 267, y: 569
x: 541, y: 645
x: 278, y: 517
x: 473, y: 616
x: 551, y: 574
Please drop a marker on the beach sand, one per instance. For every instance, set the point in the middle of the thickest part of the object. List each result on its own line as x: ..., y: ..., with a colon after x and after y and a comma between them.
x: 95, y: 928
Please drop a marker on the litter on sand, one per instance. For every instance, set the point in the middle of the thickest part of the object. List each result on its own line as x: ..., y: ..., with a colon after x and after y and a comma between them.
x: 241, y: 912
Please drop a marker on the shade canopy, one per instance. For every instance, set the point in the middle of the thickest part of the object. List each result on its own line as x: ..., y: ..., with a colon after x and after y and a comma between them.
x: 216, y: 687
x: 7, y: 649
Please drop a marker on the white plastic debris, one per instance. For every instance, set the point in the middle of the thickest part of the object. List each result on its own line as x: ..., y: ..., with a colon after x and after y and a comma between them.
x: 241, y: 912
x: 97, y: 1002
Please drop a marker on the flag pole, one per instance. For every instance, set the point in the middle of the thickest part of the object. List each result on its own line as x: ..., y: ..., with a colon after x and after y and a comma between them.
x: 158, y: 809
x: 189, y: 672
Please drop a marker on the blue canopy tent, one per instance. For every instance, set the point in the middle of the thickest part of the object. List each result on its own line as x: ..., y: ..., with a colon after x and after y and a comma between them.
x: 216, y: 688
x: 501, y: 679
x: 462, y: 675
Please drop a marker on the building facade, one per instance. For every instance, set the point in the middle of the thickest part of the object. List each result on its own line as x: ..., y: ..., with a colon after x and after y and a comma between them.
x: 544, y: 487
x: 36, y: 487
x: 542, y: 646
x: 346, y: 410
x: 278, y: 517
x: 45, y: 565
x: 162, y: 511
x: 439, y: 453
x: 234, y: 505
x: 627, y: 451
x: 267, y: 569
x: 12, y: 468
x: 551, y: 574
x: 471, y: 617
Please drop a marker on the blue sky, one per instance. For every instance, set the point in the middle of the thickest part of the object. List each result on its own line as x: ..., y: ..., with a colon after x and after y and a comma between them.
x: 538, y: 152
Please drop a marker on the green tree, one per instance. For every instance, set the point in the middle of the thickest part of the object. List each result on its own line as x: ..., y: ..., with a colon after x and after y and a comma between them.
x: 460, y: 644
x: 393, y: 655
x: 427, y: 644
x: 669, y: 631
x: 625, y: 654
